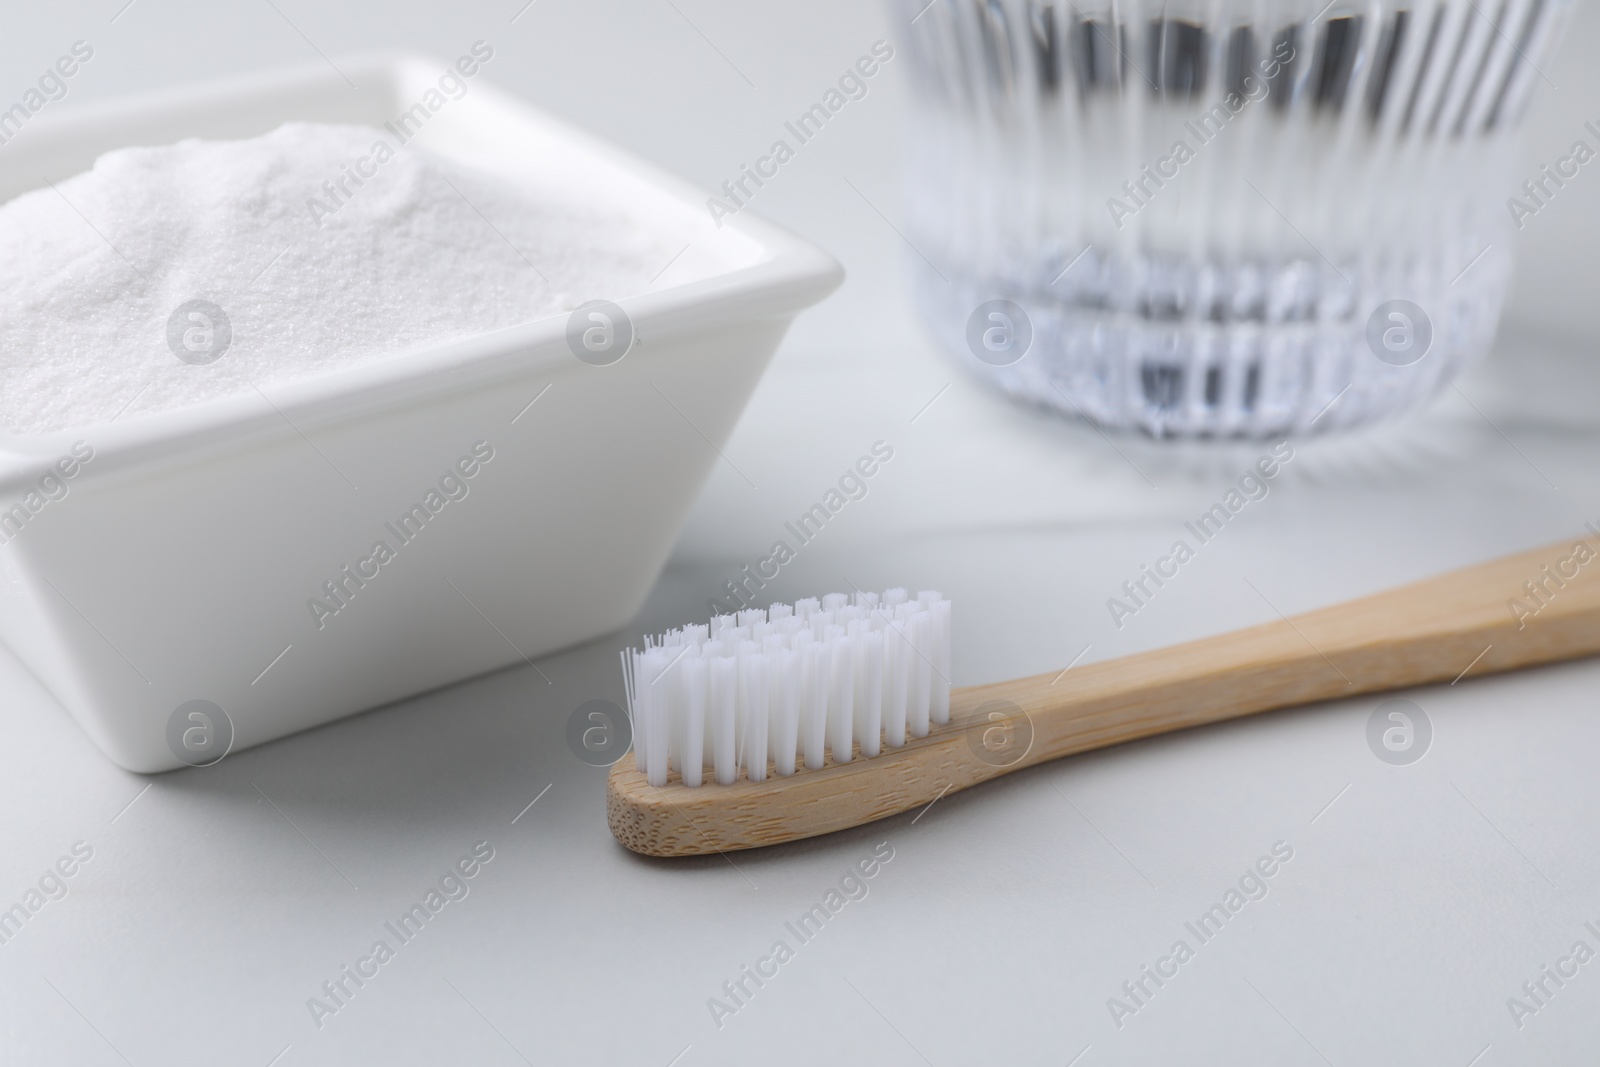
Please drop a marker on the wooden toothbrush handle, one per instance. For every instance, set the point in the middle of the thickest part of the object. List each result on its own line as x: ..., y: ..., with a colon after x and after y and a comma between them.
x: 1465, y: 623
x: 1473, y: 621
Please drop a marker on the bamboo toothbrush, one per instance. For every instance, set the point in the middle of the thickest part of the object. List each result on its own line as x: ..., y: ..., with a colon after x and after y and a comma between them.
x: 771, y: 726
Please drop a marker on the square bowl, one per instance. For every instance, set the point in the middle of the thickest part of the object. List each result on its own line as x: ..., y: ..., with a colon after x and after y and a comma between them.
x: 166, y: 590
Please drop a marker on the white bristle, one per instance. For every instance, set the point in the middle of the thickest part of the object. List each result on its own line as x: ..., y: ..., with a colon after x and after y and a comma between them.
x: 724, y: 721
x: 896, y: 674
x: 754, y: 713
x: 785, y: 705
x: 841, y: 697
x: 814, y: 704
x: 761, y: 692
x: 869, y: 691
x: 940, y: 611
x: 921, y: 678
x: 692, y: 746
x: 656, y: 720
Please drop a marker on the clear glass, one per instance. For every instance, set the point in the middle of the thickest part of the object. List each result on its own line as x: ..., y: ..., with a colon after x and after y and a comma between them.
x: 1217, y: 218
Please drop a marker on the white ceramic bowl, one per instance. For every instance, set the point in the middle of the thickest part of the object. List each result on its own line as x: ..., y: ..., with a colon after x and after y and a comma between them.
x: 180, y: 562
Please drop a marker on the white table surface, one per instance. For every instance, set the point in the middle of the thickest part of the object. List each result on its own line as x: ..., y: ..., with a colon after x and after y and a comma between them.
x: 1419, y: 898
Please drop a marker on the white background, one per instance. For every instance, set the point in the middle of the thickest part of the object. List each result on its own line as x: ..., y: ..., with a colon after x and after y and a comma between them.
x: 1414, y: 906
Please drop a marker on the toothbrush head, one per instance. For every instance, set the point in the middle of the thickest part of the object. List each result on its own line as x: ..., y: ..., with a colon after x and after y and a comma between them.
x: 771, y: 726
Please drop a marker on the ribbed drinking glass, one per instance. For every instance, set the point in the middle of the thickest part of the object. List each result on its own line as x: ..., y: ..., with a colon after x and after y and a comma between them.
x: 1225, y: 218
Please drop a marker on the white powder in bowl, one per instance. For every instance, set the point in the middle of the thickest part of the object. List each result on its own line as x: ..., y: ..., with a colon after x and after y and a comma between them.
x: 426, y: 251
